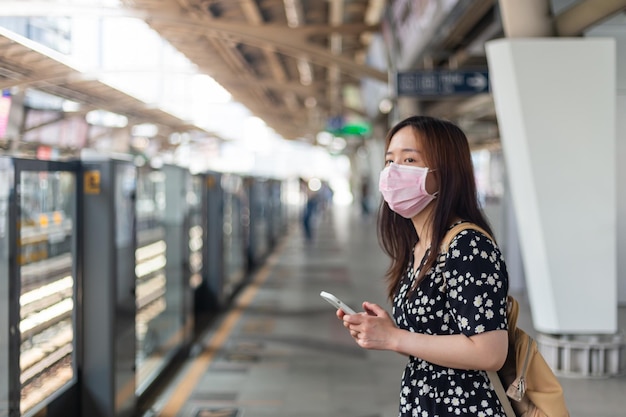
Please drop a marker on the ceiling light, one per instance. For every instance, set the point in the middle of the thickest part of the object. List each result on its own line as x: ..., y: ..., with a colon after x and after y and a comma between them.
x: 148, y: 130
x: 385, y: 106
x: 140, y: 142
x: 324, y: 138
x: 338, y: 144
x: 106, y: 119
x: 69, y: 106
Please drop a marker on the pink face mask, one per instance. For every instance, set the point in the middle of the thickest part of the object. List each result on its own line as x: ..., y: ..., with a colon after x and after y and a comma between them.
x: 404, y: 188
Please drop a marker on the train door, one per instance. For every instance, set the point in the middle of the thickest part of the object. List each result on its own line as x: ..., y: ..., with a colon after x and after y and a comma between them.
x: 41, y: 287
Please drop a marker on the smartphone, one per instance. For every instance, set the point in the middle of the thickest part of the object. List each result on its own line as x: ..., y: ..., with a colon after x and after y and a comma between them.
x: 337, y: 302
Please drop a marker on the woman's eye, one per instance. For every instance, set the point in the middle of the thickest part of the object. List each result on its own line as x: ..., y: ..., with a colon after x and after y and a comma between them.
x: 409, y: 160
x: 387, y: 162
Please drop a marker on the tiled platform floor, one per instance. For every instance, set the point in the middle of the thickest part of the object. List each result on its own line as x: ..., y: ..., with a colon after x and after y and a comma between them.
x: 280, y: 351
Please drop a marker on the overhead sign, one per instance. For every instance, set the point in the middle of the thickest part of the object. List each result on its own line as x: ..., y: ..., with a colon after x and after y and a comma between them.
x: 442, y: 83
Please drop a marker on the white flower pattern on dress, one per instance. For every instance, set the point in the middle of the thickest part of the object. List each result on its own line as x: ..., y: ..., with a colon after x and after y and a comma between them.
x: 464, y: 293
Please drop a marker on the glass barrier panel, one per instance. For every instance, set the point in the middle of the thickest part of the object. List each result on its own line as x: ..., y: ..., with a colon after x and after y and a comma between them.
x: 159, y: 289
x: 196, y: 232
x: 45, y: 260
x: 125, y: 300
x: 236, y: 219
x: 150, y: 262
x: 234, y: 249
x: 259, y: 207
x: 6, y: 185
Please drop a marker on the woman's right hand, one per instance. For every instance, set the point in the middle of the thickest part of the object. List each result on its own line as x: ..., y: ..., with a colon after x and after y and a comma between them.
x: 371, y: 329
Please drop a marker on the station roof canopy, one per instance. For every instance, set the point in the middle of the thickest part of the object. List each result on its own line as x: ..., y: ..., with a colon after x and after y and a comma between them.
x: 289, y: 62
x: 25, y: 64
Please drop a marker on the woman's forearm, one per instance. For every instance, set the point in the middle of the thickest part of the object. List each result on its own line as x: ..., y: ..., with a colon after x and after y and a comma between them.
x: 485, y: 351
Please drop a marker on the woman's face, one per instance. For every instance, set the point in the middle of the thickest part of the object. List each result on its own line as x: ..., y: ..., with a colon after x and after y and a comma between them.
x: 406, y: 148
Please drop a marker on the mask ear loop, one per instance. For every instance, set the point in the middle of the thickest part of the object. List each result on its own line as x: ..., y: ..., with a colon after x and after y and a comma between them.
x: 436, y: 193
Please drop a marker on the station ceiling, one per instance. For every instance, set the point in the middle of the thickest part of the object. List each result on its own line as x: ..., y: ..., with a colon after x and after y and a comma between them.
x: 291, y: 62
x: 288, y: 61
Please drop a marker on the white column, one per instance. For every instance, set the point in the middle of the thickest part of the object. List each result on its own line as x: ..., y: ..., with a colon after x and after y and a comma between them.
x: 555, y: 102
x: 621, y: 195
x: 616, y: 29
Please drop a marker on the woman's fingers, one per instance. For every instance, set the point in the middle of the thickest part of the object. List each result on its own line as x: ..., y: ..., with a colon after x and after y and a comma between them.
x: 374, y: 309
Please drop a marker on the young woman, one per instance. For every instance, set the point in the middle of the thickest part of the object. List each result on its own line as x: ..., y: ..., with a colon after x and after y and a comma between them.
x: 449, y: 309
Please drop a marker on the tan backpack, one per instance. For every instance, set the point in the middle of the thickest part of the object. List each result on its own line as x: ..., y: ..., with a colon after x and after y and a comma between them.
x: 530, y: 382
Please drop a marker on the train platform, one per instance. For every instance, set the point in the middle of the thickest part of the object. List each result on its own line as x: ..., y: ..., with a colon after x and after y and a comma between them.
x: 279, y: 350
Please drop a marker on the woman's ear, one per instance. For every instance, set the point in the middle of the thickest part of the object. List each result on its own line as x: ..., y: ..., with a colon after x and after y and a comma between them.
x: 431, y: 182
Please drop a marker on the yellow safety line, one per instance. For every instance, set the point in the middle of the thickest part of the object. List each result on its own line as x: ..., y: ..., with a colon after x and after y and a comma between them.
x: 201, y: 364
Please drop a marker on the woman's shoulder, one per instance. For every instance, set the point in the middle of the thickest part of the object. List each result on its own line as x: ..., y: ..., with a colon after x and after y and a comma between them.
x: 470, y: 235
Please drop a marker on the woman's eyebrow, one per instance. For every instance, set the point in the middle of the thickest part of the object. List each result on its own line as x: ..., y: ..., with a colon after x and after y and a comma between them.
x: 404, y: 150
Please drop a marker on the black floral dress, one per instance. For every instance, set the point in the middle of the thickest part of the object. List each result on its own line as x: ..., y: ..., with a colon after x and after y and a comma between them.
x: 470, y: 300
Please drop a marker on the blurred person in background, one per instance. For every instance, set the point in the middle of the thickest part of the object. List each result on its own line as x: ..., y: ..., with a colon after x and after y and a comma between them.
x: 311, y: 192
x: 365, y: 197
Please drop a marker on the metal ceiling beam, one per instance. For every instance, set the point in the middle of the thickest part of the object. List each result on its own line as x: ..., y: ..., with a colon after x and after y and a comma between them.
x: 273, y: 84
x: 231, y: 56
x: 321, y: 57
x: 333, y: 75
x: 44, y: 8
x: 584, y: 14
x: 253, y: 14
x: 290, y: 41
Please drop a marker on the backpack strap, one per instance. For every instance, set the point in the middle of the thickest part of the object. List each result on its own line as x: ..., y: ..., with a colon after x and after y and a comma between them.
x: 450, y: 234
x: 499, y: 388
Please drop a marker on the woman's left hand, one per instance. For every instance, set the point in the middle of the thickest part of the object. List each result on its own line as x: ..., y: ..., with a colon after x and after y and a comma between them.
x: 372, y: 329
